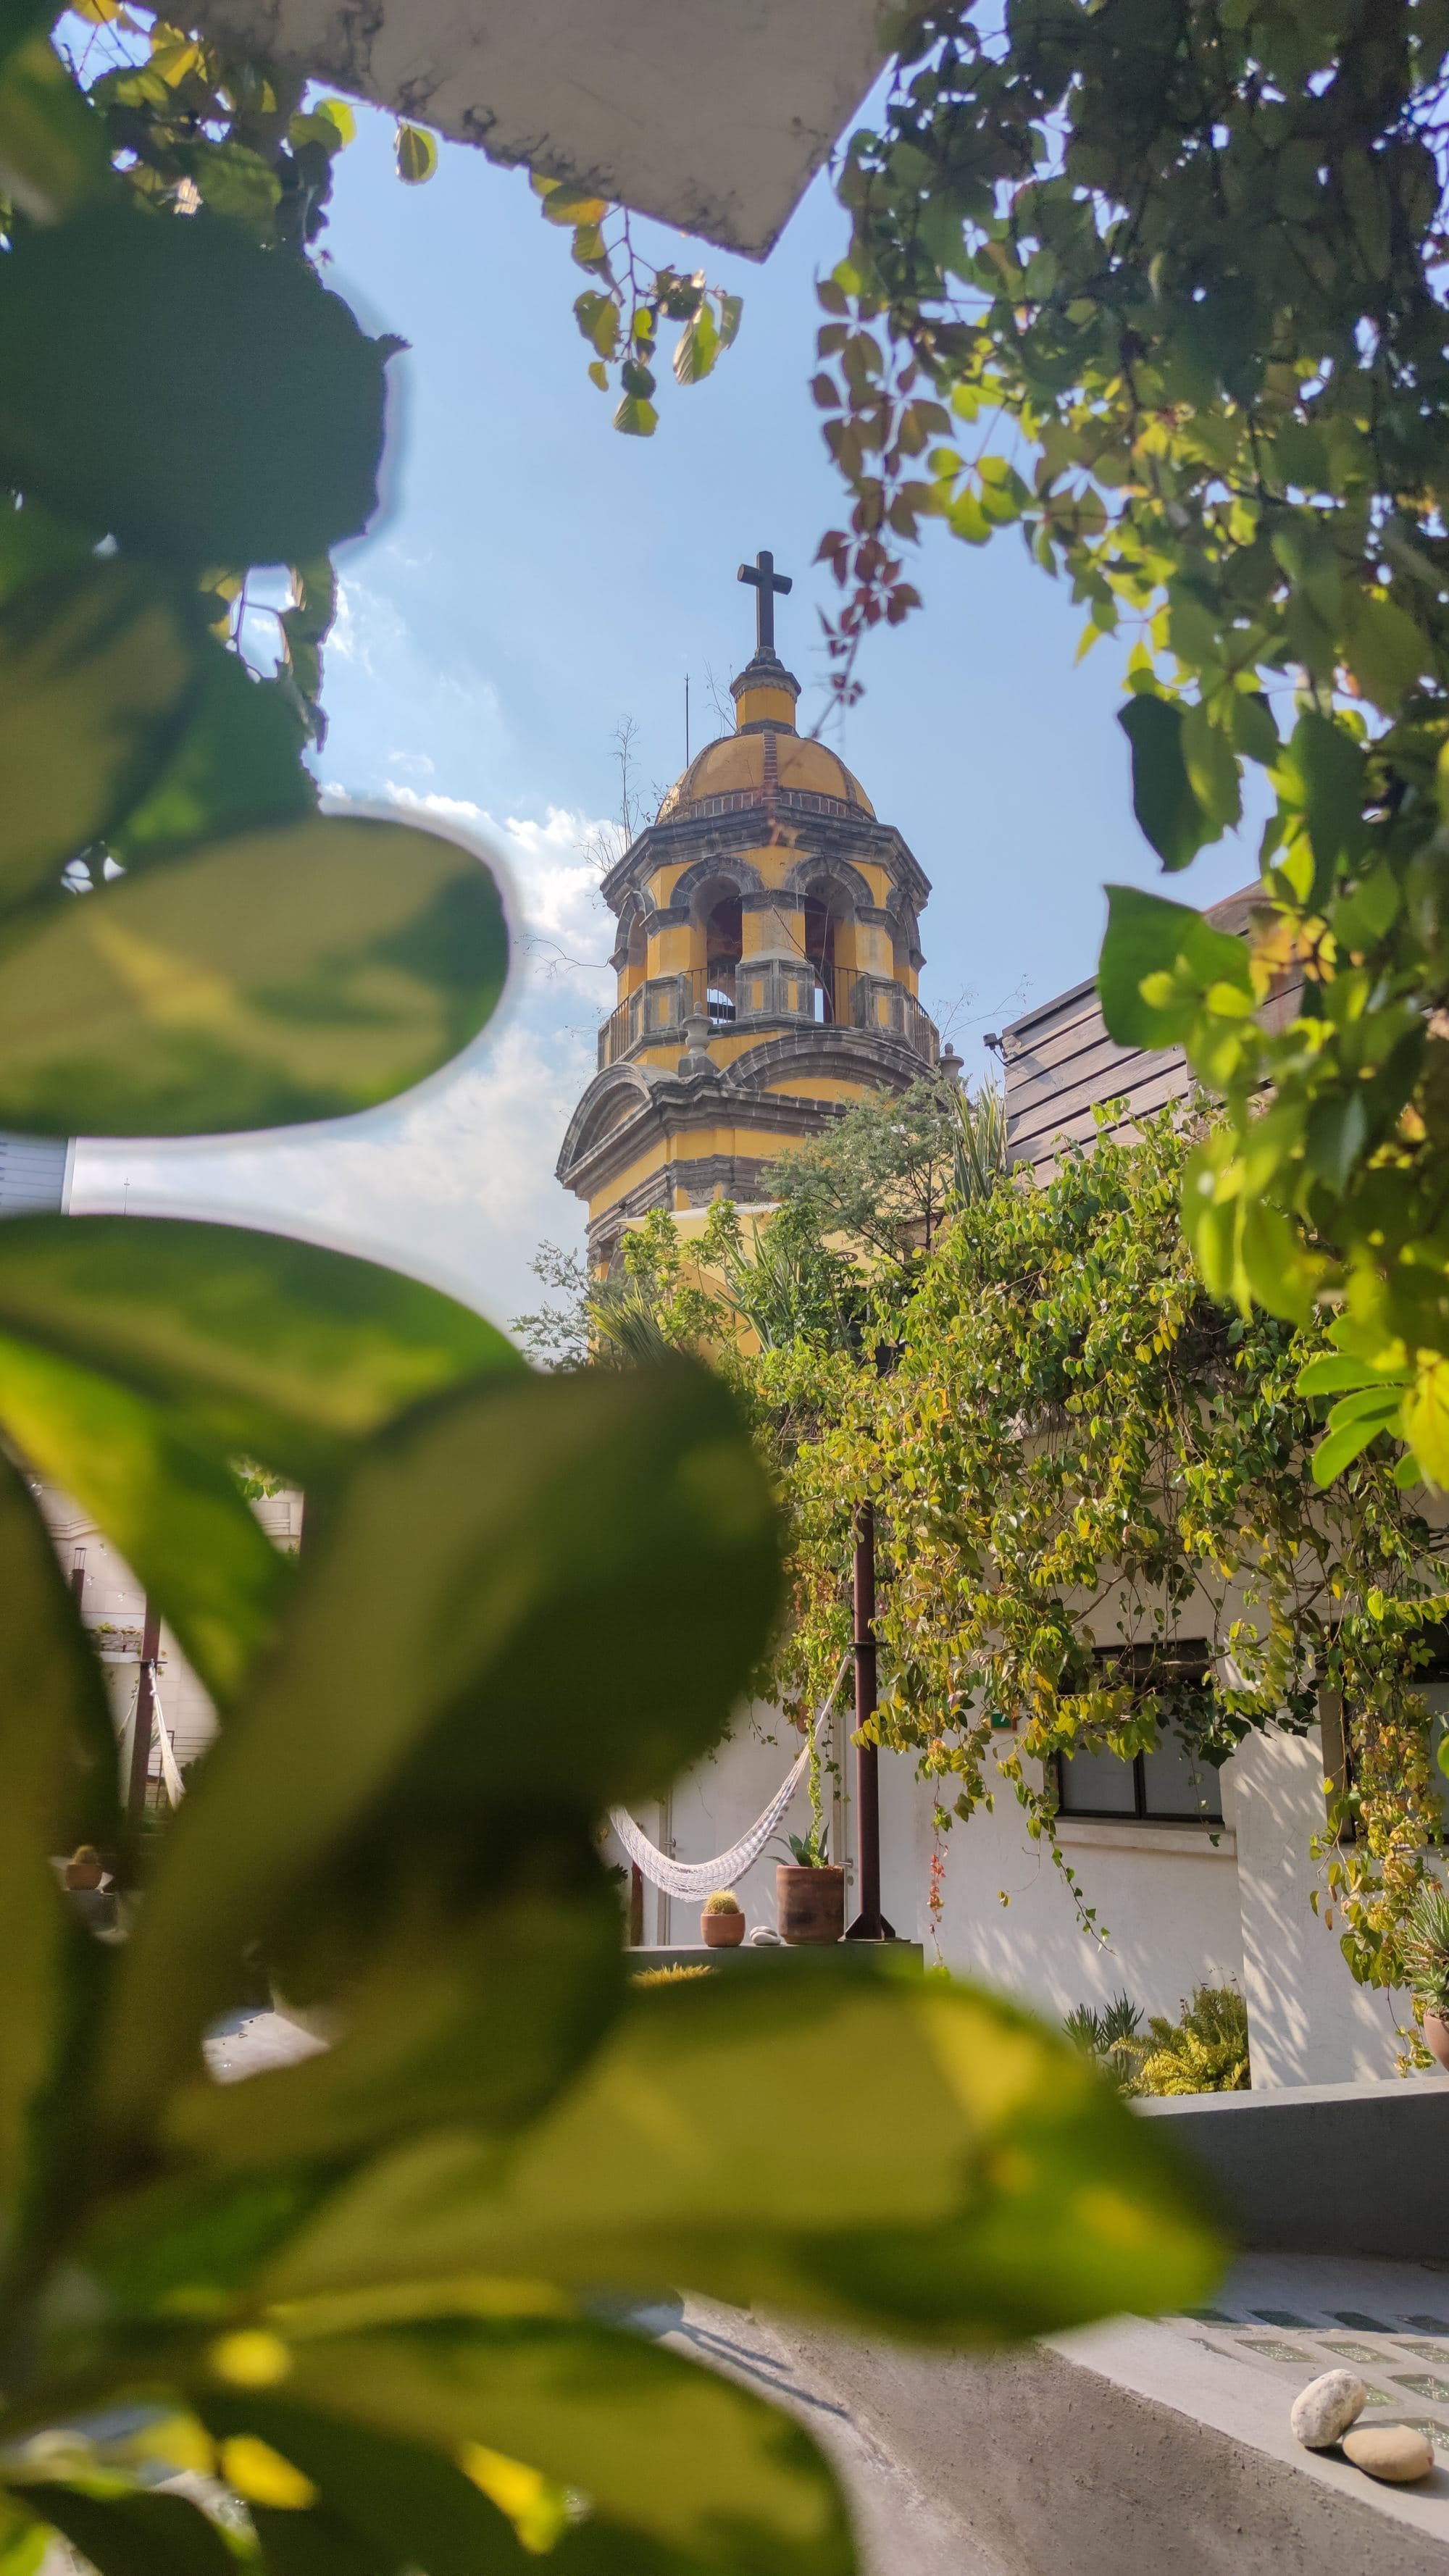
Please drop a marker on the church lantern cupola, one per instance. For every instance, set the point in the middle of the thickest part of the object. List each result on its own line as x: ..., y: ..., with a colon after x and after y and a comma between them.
x: 768, y: 961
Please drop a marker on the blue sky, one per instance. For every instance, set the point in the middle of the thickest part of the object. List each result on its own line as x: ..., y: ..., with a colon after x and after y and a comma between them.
x: 535, y: 580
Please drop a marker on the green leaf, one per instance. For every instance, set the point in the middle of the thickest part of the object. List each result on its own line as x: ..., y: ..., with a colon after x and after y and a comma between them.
x: 445, y: 2028
x: 1338, y: 1449
x: 35, y: 545
x: 178, y: 1518
x: 1332, y: 769
x: 340, y: 117
x: 58, y: 1754
x: 1212, y: 768
x: 402, y: 2501
x: 98, y: 673
x: 262, y: 1347
x: 237, y: 768
x: 1333, y: 1372
x: 135, y: 2535
x: 242, y: 407
x: 698, y: 347
x: 314, y: 2544
x: 636, y: 417
x: 294, y: 974
x: 501, y: 1539
x: 741, y: 2137
x: 1386, y: 652
x: 1426, y: 1418
x: 417, y: 155
x: 675, y: 2458
x: 1163, y: 798
x: 53, y: 157
x: 238, y: 183
x: 1148, y: 937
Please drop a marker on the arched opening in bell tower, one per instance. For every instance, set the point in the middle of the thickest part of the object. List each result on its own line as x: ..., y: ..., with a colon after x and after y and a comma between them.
x: 723, y: 945
x: 825, y: 917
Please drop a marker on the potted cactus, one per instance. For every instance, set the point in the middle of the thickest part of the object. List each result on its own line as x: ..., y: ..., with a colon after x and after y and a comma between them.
x: 1426, y: 1957
x: 810, y: 1891
x: 722, y: 1921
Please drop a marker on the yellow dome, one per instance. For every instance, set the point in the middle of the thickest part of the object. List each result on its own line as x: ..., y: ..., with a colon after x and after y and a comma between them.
x: 735, y: 766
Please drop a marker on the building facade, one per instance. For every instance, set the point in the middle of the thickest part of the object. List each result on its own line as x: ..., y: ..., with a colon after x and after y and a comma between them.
x: 768, y: 957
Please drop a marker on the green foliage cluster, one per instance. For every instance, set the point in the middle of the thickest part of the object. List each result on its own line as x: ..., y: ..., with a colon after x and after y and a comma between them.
x: 358, y: 2294
x: 1205, y: 2051
x: 619, y: 315
x: 1077, y: 1459
x: 1160, y: 284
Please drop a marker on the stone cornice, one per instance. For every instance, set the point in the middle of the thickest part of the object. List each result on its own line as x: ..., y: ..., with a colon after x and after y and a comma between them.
x: 670, y: 1104
x: 691, y: 838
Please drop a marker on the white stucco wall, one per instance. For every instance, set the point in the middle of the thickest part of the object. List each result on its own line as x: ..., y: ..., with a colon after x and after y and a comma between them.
x: 1308, y: 2022
x: 1165, y: 1898
x: 1175, y: 1909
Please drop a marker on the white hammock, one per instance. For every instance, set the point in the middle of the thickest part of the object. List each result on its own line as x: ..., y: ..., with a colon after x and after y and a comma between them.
x: 175, y: 1785
x: 170, y: 1774
x: 702, y: 1877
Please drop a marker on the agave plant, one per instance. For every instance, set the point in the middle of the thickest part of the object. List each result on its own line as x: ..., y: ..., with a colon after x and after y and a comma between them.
x: 1112, y: 2038
x: 1426, y: 1947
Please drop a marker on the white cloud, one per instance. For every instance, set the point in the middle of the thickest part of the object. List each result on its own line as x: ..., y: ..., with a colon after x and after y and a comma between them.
x: 365, y: 626
x: 554, y: 875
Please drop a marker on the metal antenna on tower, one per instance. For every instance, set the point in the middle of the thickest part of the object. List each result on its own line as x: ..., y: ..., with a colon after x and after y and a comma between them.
x: 686, y: 719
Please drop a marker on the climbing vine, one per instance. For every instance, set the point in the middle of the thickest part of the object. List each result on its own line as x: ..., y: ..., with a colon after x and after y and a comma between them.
x: 1095, y: 1517
x: 1081, y: 1460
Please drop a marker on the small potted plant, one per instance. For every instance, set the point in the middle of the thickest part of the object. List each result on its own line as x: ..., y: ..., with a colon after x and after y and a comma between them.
x: 810, y: 1891
x: 722, y: 1921
x: 1426, y: 1956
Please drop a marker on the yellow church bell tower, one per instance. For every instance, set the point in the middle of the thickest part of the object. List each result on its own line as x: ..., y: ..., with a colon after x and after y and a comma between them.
x: 768, y: 961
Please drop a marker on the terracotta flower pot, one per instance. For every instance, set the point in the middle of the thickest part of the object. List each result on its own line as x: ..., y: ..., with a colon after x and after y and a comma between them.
x: 811, y: 1903
x: 1436, y: 2036
x: 722, y: 1931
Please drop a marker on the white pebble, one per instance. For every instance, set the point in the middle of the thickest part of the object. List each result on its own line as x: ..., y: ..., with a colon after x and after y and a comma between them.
x: 1324, y: 2410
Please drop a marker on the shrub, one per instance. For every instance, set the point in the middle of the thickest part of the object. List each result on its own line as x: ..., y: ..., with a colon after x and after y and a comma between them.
x: 1205, y: 2052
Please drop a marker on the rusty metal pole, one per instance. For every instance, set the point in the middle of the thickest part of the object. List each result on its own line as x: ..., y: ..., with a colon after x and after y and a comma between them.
x: 870, y: 1924
x: 145, y: 1709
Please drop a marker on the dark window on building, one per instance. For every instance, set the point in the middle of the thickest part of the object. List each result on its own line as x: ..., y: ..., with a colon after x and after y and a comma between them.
x: 1169, y: 1785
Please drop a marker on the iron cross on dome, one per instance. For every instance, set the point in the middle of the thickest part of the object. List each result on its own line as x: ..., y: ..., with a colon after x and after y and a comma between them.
x: 764, y: 581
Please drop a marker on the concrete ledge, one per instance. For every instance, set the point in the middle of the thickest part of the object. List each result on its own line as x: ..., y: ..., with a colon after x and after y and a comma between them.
x: 1325, y: 2168
x: 1105, y: 1833
x: 1123, y: 2452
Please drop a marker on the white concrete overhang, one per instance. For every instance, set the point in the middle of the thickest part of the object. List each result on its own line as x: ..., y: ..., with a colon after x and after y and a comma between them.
x: 713, y: 115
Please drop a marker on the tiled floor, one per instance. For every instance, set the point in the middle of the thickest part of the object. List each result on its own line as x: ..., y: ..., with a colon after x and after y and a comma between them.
x: 1292, y: 2317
